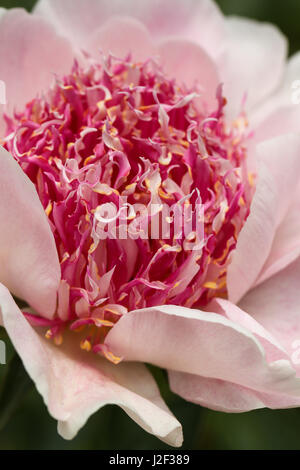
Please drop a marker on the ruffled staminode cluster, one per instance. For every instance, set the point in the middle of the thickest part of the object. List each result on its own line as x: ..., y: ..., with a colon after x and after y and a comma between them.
x: 118, y: 134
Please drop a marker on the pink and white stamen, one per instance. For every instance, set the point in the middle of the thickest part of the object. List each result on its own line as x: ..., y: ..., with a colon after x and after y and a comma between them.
x: 117, y: 130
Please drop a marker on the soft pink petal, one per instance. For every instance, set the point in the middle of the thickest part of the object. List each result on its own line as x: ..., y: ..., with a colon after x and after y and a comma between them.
x: 29, y: 264
x: 225, y: 396
x: 277, y: 116
x: 275, y: 304
x: 28, y: 56
x: 201, y: 22
x: 2, y: 91
x: 201, y: 343
x: 286, y: 244
x: 292, y: 73
x: 276, y: 186
x: 283, y: 97
x: 273, y: 350
x: 280, y: 113
x: 75, y: 384
x: 283, y: 120
x: 190, y: 64
x: 132, y: 37
x: 251, y: 69
x: 214, y: 393
x: 231, y: 397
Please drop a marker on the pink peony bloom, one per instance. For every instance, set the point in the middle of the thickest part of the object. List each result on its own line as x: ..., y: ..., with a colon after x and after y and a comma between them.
x: 162, y: 104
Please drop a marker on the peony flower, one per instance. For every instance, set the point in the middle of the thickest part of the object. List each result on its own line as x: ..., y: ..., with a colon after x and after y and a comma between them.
x: 157, y: 103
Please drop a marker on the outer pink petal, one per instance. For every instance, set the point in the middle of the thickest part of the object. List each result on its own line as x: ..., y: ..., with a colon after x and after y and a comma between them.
x: 29, y: 264
x: 214, y: 393
x: 190, y: 64
x: 292, y: 72
x: 273, y: 350
x: 275, y: 304
x: 201, y: 22
x: 277, y: 183
x: 28, y: 56
x: 251, y: 69
x: 131, y: 37
x: 275, y: 117
x: 226, y: 396
x: 231, y: 397
x: 286, y: 244
x: 280, y: 108
x: 283, y: 120
x: 278, y: 114
x: 182, y: 59
x: 204, y: 344
x: 75, y: 384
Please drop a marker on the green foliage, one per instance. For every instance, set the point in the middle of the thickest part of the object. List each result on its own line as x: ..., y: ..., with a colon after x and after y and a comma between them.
x: 14, y: 386
x: 28, y: 4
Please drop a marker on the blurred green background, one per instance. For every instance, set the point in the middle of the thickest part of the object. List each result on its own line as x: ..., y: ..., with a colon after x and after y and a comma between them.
x: 32, y: 428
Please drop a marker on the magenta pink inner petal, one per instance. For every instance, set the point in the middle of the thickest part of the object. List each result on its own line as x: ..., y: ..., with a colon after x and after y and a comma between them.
x: 118, y: 134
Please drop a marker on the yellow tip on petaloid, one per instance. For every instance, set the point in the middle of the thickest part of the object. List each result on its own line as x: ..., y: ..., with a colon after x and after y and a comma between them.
x: 92, y: 248
x: 48, y: 335
x: 111, y: 357
x: 99, y: 322
x: 211, y: 285
x: 49, y: 209
x: 58, y: 340
x: 251, y: 178
x: 85, y: 345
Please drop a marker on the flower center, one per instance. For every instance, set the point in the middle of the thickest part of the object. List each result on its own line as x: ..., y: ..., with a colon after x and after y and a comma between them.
x: 123, y: 160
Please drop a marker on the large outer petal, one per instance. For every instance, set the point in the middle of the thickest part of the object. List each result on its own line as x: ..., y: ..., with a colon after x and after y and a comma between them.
x: 190, y: 64
x: 213, y: 393
x: 276, y: 187
x: 281, y: 120
x: 278, y: 116
x: 29, y: 264
x: 75, y: 384
x: 280, y: 113
x: 275, y: 304
x: 181, y: 59
x: 228, y: 396
x: 251, y: 69
x: 201, y: 22
x: 286, y: 244
x: 204, y: 344
x: 132, y: 37
x: 29, y: 56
